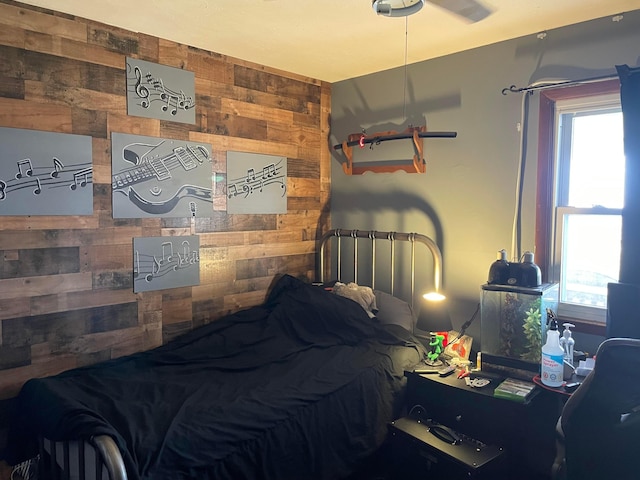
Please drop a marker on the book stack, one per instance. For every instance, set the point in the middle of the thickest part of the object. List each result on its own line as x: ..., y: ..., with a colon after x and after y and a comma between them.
x: 514, y: 389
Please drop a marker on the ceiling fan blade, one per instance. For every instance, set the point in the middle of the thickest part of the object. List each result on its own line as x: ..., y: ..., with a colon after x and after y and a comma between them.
x: 472, y: 10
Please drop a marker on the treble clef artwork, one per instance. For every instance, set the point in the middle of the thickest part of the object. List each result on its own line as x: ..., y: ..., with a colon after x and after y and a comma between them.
x: 141, y: 90
x: 45, y: 173
x: 165, y: 262
x: 161, y: 92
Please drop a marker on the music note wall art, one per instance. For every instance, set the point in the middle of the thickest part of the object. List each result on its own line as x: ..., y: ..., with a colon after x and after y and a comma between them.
x: 256, y: 183
x: 159, y: 91
x: 165, y: 262
x: 158, y: 177
x: 45, y: 173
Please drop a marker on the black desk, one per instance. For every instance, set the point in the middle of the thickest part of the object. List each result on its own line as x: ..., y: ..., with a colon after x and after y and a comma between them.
x: 526, y: 431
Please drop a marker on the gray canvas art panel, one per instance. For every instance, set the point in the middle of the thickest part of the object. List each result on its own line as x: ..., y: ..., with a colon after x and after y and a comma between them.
x: 159, y: 177
x: 45, y: 173
x: 165, y: 262
x: 256, y: 183
x: 159, y: 91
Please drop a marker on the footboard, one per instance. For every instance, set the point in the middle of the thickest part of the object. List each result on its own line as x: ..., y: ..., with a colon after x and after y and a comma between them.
x: 97, y: 459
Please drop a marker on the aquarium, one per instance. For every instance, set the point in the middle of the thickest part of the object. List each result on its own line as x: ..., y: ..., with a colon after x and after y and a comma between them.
x: 513, y: 327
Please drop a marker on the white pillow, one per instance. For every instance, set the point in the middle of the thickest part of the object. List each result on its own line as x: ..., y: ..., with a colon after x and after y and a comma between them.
x: 363, y: 296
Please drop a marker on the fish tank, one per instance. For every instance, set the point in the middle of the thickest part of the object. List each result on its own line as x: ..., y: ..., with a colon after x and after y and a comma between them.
x: 513, y: 327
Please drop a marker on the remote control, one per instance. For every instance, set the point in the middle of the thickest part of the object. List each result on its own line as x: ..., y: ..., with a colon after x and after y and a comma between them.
x: 443, y: 372
x: 426, y: 370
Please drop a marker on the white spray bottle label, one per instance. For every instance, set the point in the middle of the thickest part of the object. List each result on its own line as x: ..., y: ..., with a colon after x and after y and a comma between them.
x: 551, y: 367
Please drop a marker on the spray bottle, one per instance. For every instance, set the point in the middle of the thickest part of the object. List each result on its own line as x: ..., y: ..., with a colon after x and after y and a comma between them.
x: 551, y: 368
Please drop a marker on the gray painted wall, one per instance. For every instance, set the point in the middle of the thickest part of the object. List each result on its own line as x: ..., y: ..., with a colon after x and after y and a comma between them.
x: 466, y: 200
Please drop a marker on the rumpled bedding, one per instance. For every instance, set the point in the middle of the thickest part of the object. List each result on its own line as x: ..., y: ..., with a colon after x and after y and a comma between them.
x: 301, y: 387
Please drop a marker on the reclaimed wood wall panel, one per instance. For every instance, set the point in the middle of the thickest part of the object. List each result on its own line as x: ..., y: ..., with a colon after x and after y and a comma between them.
x: 66, y: 296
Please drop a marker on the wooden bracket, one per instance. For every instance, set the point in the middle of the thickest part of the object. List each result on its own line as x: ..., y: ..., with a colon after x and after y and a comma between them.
x: 416, y: 133
x: 418, y: 158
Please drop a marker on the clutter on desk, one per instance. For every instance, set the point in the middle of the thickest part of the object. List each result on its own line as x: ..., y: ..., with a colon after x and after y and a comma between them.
x: 459, y: 347
x: 427, y: 367
x: 585, y: 367
x: 572, y: 386
x: 436, y: 345
x: 551, y: 367
x: 568, y: 370
x: 567, y: 342
x: 477, y: 382
x: 514, y: 389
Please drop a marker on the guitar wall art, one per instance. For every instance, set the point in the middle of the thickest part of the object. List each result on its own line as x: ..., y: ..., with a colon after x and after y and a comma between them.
x: 158, y: 177
x: 45, y: 173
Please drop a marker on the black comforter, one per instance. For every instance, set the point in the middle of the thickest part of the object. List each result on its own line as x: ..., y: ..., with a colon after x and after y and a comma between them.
x: 300, y: 387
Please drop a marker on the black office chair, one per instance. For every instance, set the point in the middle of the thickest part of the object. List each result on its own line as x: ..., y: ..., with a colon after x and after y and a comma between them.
x: 599, y: 428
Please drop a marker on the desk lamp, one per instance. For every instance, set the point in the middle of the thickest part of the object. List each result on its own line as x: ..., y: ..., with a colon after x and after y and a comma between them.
x: 433, y: 327
x: 433, y: 317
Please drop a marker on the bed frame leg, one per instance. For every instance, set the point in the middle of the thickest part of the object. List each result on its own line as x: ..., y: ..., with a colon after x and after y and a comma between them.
x: 106, y: 457
x: 109, y: 453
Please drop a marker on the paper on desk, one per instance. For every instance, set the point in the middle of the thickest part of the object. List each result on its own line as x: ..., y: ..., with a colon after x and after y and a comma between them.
x: 585, y: 367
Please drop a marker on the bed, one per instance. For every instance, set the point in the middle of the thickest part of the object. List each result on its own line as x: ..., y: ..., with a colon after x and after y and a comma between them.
x: 302, y: 386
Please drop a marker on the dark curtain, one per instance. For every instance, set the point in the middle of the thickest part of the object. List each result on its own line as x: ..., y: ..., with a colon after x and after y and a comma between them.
x: 623, y: 298
x: 630, y: 99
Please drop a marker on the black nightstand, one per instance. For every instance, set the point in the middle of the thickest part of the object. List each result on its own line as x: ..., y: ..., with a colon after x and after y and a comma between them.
x: 515, y: 439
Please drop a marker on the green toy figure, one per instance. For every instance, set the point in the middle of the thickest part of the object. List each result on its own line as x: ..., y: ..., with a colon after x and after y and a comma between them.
x: 437, y: 346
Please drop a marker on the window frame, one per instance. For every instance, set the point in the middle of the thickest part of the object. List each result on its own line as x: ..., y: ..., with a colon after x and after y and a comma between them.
x: 545, y: 192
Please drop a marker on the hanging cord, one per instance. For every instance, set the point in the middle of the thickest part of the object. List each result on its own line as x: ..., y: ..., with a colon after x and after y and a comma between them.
x: 406, y: 49
x: 465, y: 325
x: 527, y: 92
x: 516, y: 233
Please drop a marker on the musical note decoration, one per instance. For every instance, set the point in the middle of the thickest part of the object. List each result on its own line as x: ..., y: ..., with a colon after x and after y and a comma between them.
x: 45, y: 173
x: 161, y: 92
x: 165, y: 262
x: 157, y: 177
x: 256, y: 183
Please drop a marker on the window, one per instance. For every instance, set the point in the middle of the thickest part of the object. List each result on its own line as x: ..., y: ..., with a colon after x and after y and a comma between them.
x: 584, y: 193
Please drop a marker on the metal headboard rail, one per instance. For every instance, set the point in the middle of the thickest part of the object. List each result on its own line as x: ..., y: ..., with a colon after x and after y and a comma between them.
x: 373, y: 236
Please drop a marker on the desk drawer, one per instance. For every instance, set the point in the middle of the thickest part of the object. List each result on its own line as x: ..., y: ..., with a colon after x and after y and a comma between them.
x: 525, y: 430
x: 472, y: 412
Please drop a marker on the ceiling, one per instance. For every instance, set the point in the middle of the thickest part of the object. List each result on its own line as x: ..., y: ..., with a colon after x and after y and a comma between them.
x: 332, y: 40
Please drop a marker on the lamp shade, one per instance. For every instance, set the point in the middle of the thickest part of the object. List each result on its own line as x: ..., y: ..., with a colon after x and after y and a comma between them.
x: 433, y: 317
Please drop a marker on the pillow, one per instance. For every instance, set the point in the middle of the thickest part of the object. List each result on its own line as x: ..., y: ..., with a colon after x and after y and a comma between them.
x: 363, y: 296
x: 393, y: 310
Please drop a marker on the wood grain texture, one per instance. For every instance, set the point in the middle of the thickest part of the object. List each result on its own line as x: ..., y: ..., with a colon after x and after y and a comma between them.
x: 66, y: 295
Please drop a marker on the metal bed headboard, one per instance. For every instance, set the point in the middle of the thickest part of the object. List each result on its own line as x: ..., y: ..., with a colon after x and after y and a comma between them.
x: 373, y: 236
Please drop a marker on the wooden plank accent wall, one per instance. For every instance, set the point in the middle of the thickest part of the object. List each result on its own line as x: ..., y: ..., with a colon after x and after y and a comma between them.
x: 66, y: 295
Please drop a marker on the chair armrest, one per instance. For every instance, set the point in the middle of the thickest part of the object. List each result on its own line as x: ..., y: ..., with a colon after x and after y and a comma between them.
x: 558, y: 469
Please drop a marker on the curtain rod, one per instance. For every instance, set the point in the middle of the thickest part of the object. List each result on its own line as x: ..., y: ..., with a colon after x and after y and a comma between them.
x: 567, y: 83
